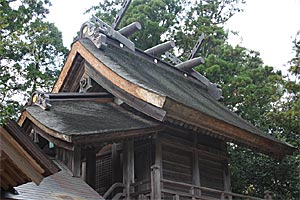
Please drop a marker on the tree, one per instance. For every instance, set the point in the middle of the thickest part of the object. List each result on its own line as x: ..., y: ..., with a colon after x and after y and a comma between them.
x: 258, y: 172
x: 157, y: 18
x: 206, y: 17
x: 30, y: 52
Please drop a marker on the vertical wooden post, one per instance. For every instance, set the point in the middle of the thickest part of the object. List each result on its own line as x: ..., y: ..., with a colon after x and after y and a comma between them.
x: 176, y: 197
x: 227, y: 181
x: 76, y: 161
x: 128, y: 167
x: 196, y: 172
x: 115, y: 164
x: 155, y: 183
x: 156, y: 172
x: 192, y: 191
x: 91, y: 167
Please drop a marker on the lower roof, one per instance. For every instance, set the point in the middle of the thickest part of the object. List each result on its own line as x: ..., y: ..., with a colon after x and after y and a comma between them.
x: 72, y: 118
x: 61, y: 185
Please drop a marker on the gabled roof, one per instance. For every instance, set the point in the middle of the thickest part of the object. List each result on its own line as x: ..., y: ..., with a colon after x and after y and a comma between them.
x: 21, y: 161
x: 165, y: 93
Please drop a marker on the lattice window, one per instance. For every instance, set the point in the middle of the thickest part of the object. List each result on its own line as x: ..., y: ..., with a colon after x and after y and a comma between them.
x: 103, y: 173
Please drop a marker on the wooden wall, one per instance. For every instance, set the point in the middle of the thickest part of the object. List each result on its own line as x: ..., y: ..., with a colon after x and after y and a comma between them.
x: 193, y: 158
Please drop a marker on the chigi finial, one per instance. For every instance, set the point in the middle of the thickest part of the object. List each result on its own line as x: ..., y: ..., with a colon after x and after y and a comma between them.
x: 97, y: 30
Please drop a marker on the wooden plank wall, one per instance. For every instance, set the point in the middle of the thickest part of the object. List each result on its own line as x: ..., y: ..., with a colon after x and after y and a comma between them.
x: 179, y: 151
x: 144, y: 159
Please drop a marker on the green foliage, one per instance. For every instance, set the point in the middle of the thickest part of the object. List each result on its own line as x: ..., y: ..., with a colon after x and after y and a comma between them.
x: 157, y: 17
x: 245, y: 81
x: 30, y: 52
x: 282, y: 120
x: 205, y: 17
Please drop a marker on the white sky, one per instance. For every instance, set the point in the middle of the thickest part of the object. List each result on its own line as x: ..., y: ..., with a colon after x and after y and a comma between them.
x: 267, y: 26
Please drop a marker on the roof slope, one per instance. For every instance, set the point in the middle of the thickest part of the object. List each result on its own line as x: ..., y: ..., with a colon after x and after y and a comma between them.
x: 167, y: 82
x: 73, y: 118
x: 61, y: 185
x: 21, y: 160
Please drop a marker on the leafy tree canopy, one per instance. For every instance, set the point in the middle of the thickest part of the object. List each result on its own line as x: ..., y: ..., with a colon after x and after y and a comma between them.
x: 30, y: 52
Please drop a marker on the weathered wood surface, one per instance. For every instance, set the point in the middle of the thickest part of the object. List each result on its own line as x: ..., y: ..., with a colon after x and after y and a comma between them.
x: 128, y: 167
x: 155, y: 182
x: 76, y: 161
x: 218, y: 193
x: 260, y: 142
x: 90, y: 155
x: 20, y: 159
x: 81, y: 122
x: 141, y: 93
x: 19, y: 135
x: 140, y: 105
x: 58, y: 142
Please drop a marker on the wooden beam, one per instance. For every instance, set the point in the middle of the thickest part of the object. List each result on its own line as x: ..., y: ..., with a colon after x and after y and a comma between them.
x: 65, y: 70
x: 142, y: 106
x: 22, y: 160
x: 21, y: 150
x: 10, y: 179
x: 96, y: 139
x: 90, y: 155
x: 58, y: 142
x: 35, y: 152
x: 18, y: 175
x: 47, y: 130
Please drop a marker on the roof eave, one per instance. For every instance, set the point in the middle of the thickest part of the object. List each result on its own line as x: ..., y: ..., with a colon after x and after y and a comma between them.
x: 261, y: 143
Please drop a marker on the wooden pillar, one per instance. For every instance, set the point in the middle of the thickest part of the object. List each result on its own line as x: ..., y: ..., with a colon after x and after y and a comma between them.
x: 128, y: 166
x: 227, y: 180
x: 76, y: 161
x: 90, y: 155
x: 116, y: 175
x: 155, y: 182
x: 196, y: 172
x: 156, y: 172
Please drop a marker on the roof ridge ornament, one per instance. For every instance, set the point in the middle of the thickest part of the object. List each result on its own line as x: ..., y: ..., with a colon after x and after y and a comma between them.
x: 197, y: 46
x: 213, y: 89
x: 40, y: 99
x: 160, y: 48
x: 97, y: 30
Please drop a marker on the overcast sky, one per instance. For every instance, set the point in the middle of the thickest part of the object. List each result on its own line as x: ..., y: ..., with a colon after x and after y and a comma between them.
x: 267, y: 26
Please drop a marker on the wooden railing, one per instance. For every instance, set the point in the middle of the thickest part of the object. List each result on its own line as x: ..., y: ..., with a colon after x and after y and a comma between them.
x: 112, y: 189
x: 197, y: 195
x: 195, y: 192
